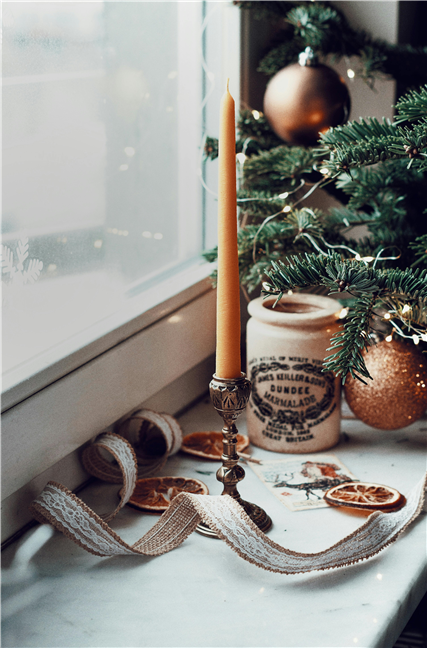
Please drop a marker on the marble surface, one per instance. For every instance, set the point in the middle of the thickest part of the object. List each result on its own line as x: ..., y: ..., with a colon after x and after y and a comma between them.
x: 203, y: 594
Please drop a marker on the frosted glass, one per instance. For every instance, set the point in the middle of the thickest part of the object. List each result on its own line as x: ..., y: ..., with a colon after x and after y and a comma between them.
x: 91, y: 162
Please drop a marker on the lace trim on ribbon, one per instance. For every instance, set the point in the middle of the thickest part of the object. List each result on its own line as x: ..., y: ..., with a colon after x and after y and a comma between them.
x: 70, y: 515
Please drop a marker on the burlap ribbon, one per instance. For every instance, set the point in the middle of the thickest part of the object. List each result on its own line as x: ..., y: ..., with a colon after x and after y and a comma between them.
x: 60, y: 507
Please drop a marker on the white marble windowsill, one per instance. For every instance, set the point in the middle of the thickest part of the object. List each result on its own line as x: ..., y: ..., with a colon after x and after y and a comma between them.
x: 203, y: 595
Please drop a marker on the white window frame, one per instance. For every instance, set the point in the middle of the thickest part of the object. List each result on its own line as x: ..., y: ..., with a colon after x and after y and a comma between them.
x: 163, y: 352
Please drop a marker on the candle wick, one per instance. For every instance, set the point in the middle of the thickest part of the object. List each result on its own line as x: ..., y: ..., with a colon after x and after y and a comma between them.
x: 228, y: 81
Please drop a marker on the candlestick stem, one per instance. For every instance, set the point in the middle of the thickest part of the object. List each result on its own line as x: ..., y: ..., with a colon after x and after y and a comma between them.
x: 229, y: 397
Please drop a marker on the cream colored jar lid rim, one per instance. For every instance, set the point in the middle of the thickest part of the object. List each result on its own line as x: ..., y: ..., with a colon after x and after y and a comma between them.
x: 328, y: 310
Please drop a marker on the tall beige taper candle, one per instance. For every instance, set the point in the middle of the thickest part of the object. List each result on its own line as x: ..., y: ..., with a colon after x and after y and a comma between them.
x: 228, y: 362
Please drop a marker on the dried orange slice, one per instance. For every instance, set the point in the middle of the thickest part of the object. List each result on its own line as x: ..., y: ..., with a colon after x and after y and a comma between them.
x: 209, y: 444
x: 156, y: 493
x: 364, y: 495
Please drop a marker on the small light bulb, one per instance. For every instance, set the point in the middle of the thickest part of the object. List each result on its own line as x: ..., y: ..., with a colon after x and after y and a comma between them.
x: 387, y: 316
x: 368, y: 259
x: 343, y: 312
x: 406, y: 308
x: 389, y: 338
x: 241, y: 157
x: 324, y: 171
x: 130, y: 151
x: 416, y: 339
x: 284, y: 195
x: 358, y: 257
x: 98, y: 243
x: 290, y: 292
x: 351, y: 73
x: 286, y: 209
x: 256, y: 114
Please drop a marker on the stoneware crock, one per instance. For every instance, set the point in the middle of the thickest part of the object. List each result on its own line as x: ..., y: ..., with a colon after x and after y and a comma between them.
x: 294, y: 405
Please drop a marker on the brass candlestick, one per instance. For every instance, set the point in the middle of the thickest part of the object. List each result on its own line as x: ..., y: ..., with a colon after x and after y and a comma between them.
x: 229, y: 396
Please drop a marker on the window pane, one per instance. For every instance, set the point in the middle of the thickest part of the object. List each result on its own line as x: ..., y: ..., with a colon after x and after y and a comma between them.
x: 101, y: 129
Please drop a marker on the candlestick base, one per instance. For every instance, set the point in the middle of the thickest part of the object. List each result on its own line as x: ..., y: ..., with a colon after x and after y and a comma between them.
x: 229, y: 397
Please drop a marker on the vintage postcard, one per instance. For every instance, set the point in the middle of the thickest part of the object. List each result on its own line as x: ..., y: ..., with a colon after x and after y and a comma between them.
x: 301, y: 481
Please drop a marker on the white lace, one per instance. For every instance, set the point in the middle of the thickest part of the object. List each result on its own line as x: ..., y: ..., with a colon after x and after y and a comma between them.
x: 67, y: 513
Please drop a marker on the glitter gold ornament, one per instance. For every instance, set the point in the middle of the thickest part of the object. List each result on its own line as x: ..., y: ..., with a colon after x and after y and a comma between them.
x: 305, y: 99
x: 397, y: 395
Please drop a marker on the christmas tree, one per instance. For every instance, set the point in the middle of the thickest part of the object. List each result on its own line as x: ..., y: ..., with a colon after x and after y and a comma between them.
x: 376, y: 169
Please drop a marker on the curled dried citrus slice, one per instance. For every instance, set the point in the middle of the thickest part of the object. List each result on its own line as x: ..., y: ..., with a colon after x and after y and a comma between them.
x: 156, y: 493
x: 364, y: 495
x: 209, y: 444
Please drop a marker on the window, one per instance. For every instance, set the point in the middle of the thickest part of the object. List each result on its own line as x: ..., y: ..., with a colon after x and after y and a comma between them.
x: 106, y: 298
x: 102, y: 124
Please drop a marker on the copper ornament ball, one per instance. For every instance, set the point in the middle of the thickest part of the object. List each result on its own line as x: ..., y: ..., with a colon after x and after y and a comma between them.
x: 397, y: 395
x: 302, y: 101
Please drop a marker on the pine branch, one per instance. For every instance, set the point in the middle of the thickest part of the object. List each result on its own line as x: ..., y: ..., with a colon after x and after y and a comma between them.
x: 279, y: 57
x: 278, y: 169
x: 211, y: 148
x: 254, y: 134
x: 260, y: 244
x: 339, y: 275
x: 355, y: 132
x: 367, y: 143
x: 368, y: 186
x: 343, y: 218
x: 258, y: 205
x: 420, y: 251
x: 413, y: 106
x: 371, y: 287
x: 253, y: 128
x: 349, y: 343
x: 324, y: 29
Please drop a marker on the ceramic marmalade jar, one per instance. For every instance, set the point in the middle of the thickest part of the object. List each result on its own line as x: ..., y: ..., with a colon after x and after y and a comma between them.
x: 294, y: 406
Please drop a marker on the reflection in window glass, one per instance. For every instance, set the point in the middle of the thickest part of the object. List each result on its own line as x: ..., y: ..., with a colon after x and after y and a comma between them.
x: 95, y: 114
